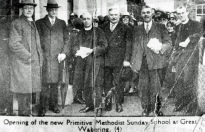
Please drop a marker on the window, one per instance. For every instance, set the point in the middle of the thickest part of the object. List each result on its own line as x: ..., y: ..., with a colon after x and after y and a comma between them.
x: 200, y: 10
x: 203, y: 9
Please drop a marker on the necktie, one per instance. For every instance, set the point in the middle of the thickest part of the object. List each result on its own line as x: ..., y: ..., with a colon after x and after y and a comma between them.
x: 52, y: 22
x: 147, y: 28
x: 112, y: 27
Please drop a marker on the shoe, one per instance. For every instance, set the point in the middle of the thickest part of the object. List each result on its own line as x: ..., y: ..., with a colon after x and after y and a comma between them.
x: 99, y: 112
x: 159, y: 113
x: 42, y: 112
x: 145, y: 112
x: 4, y: 112
x: 86, y: 109
x: 119, y: 108
x: 79, y: 100
x: 123, y: 100
x: 54, y: 110
x: 126, y: 92
x: 24, y: 113
x: 108, y: 104
x: 177, y: 108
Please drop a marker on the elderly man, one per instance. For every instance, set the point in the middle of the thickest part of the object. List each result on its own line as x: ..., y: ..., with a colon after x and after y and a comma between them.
x: 150, y: 48
x: 89, y: 48
x: 117, y: 55
x: 53, y: 35
x: 26, y: 57
x: 184, y: 62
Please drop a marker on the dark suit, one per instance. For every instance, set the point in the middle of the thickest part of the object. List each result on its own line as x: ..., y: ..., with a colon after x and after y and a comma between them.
x: 118, y: 50
x: 148, y: 63
x: 53, y: 40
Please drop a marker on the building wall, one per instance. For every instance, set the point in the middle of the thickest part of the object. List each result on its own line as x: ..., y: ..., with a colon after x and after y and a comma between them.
x: 99, y: 7
x: 200, y: 8
x: 165, y: 5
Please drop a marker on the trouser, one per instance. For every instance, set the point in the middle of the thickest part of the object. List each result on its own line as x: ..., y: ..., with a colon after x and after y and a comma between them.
x: 24, y: 104
x: 71, y: 66
x: 78, y: 77
x: 93, y: 95
x: 83, y: 79
x: 6, y: 100
x: 93, y: 101
x: 149, y: 85
x: 49, y: 95
x: 112, y: 79
x: 135, y: 79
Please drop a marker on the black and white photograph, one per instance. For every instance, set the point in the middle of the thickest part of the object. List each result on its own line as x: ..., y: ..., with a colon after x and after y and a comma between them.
x: 102, y: 65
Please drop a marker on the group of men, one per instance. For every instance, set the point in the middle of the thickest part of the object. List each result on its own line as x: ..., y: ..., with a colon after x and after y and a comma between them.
x: 39, y: 49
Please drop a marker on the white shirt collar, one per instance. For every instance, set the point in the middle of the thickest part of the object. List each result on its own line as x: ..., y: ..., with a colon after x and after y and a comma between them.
x: 113, y: 25
x: 52, y: 19
x: 30, y: 19
x: 187, y: 20
x: 149, y: 24
x: 89, y: 28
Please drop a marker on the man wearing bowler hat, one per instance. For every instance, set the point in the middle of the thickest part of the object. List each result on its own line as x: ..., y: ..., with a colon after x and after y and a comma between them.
x: 26, y: 57
x: 53, y: 38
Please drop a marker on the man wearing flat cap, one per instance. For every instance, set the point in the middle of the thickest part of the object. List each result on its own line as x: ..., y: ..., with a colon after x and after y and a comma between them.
x: 53, y: 36
x: 26, y: 57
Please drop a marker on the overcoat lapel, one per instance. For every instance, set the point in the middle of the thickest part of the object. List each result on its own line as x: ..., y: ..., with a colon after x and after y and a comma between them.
x: 47, y: 22
x: 25, y: 19
x: 107, y: 31
x: 141, y: 35
x: 56, y: 22
x: 115, y: 31
x: 29, y: 23
x: 152, y: 30
x: 151, y: 33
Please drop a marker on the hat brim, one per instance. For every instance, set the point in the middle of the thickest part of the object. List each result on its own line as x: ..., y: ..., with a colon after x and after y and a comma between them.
x: 52, y: 6
x: 49, y: 5
x: 23, y: 4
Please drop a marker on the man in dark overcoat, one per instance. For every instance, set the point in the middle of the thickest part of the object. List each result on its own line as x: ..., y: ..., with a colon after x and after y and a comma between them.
x: 117, y: 55
x: 184, y: 63
x: 89, y: 68
x: 151, y: 46
x: 53, y: 36
x: 26, y: 57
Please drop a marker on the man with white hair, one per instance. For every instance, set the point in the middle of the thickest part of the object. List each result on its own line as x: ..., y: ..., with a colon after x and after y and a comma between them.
x: 89, y: 48
x: 185, y: 61
x: 117, y: 56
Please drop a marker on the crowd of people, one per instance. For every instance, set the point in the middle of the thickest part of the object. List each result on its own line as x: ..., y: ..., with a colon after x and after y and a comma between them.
x: 101, y: 57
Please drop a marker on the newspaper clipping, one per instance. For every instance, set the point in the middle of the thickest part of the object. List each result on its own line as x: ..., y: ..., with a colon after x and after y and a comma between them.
x: 102, y: 65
